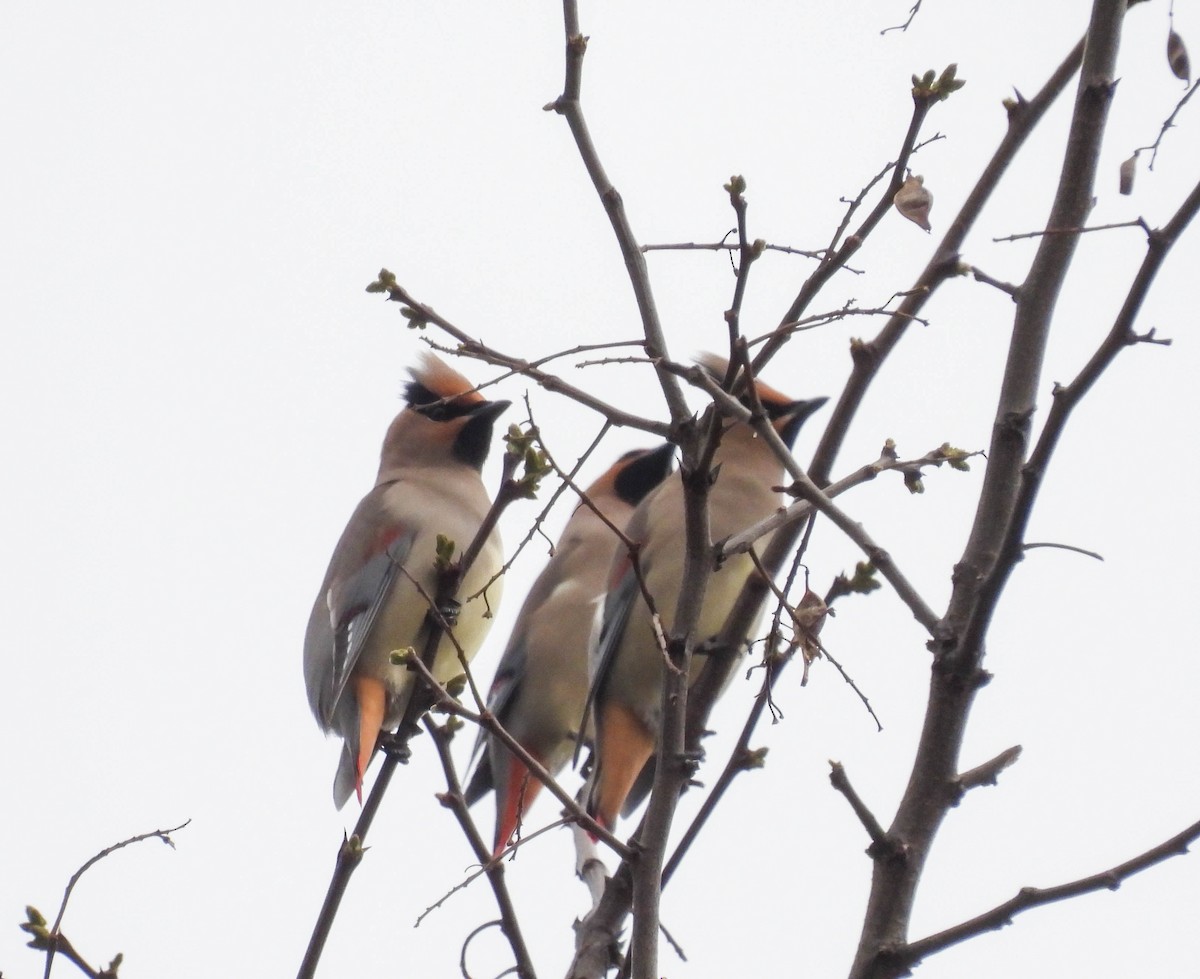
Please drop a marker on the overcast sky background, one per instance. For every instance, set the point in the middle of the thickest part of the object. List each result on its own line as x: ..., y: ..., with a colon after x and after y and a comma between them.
x: 195, y: 386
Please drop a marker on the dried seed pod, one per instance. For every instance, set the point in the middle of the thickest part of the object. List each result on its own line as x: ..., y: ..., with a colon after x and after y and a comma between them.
x: 1128, y: 172
x: 1177, y: 58
x: 914, y: 201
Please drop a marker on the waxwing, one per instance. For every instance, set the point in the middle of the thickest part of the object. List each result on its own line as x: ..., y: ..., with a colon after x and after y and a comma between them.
x: 371, y: 600
x: 626, y: 663
x: 541, y: 683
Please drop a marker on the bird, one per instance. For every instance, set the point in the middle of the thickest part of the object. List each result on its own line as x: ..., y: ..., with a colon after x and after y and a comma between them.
x: 626, y: 663
x: 383, y: 575
x: 541, y: 682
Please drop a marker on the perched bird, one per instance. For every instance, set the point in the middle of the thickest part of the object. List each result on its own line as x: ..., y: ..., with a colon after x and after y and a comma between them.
x: 626, y: 663
x: 542, y: 681
x: 371, y: 600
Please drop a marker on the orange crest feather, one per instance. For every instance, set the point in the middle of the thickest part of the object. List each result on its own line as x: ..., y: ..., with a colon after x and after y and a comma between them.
x: 441, y: 379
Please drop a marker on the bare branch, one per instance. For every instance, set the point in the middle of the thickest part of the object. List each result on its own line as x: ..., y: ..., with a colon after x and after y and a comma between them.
x: 725, y: 246
x: 1007, y: 287
x: 958, y: 649
x: 470, y: 879
x: 1120, y: 336
x: 155, y: 834
x: 881, y: 843
x: 487, y: 720
x: 1168, y: 123
x: 52, y: 940
x: 1033, y: 897
x: 589, y: 868
x: 471, y: 347
x: 911, y: 14
x: 852, y: 243
x: 741, y: 758
x: 987, y: 773
x: 61, y: 945
x: 808, y: 490
x: 1135, y: 223
x: 568, y: 105
x: 802, y: 509
x: 475, y: 933
x: 566, y: 481
x: 597, y: 937
x: 1064, y: 547
x: 869, y: 357
x: 747, y: 253
x: 453, y: 800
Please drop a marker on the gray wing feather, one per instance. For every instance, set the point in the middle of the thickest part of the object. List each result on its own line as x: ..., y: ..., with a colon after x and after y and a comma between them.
x: 501, y: 697
x: 618, y: 606
x: 335, y: 638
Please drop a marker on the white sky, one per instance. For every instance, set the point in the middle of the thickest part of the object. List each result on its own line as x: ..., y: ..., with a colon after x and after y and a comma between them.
x: 195, y: 385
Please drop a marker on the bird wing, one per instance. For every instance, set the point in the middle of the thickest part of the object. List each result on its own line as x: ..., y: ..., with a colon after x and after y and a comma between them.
x: 614, y: 613
x: 344, y: 615
x: 501, y: 696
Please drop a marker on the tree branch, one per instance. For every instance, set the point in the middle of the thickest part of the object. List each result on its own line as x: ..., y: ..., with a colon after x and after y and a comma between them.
x: 52, y: 940
x: 568, y: 105
x: 957, y: 674
x: 834, y: 260
x: 453, y: 800
x: 1120, y: 336
x: 868, y: 358
x: 988, y: 772
x: 1033, y: 897
x: 881, y: 843
x: 470, y: 347
x: 441, y: 699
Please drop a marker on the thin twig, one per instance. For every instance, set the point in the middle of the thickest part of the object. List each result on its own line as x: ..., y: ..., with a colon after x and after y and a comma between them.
x: 473, y: 348
x: 442, y: 700
x: 851, y: 243
x: 725, y: 246
x: 805, y: 488
x: 1135, y: 223
x: 484, y: 867
x: 801, y: 509
x: 904, y: 27
x: 55, y: 939
x: 747, y: 254
x: 565, y: 483
x: 474, y: 933
x: 869, y: 357
x: 1029, y: 546
x: 1168, y: 124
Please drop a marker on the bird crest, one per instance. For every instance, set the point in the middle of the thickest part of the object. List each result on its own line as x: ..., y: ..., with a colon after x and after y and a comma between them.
x: 435, y: 380
x: 717, y: 367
